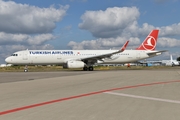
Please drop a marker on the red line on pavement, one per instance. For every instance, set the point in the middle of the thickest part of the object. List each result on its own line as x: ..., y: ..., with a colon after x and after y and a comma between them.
x: 82, y: 95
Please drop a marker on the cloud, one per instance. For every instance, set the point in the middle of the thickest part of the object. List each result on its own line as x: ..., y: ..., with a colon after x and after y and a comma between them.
x: 26, y: 19
x: 168, y: 42
x: 103, y: 43
x: 24, y: 39
x: 11, y: 43
x: 40, y: 39
x: 171, y: 30
x: 109, y: 23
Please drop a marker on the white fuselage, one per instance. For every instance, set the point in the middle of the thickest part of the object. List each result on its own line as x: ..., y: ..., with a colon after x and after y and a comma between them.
x: 59, y: 57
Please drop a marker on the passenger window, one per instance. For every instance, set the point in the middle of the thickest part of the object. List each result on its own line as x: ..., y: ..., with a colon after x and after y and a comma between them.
x: 14, y: 55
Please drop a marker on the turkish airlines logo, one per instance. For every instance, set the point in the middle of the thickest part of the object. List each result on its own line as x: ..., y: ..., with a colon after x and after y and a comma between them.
x: 150, y: 43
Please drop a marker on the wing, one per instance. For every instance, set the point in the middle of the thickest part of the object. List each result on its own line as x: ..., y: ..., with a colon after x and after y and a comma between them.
x: 99, y: 57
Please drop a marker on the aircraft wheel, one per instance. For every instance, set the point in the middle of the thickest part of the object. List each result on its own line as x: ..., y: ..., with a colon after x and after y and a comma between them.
x: 85, y: 68
x: 91, y: 68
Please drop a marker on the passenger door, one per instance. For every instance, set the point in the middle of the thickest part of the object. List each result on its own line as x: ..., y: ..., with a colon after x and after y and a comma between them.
x: 25, y: 55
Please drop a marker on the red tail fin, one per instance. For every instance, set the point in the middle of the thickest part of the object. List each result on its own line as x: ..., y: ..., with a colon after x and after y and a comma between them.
x: 150, y: 42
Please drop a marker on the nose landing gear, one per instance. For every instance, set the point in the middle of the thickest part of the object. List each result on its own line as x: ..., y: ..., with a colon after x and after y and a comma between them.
x: 26, y: 68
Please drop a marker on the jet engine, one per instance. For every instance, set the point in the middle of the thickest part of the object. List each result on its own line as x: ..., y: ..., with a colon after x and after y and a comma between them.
x: 74, y: 64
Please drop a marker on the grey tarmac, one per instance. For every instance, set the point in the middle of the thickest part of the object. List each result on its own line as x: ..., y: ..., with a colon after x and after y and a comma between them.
x: 115, y: 95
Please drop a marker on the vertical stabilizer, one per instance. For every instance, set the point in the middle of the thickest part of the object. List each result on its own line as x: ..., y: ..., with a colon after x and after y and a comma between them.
x: 171, y: 58
x: 150, y: 42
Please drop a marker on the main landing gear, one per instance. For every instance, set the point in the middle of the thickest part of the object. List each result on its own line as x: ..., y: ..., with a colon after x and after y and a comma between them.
x: 90, y: 68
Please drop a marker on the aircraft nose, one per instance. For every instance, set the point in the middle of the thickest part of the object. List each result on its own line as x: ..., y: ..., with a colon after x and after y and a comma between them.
x: 8, y: 60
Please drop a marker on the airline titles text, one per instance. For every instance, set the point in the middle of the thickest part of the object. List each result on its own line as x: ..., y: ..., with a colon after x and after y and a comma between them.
x: 50, y: 52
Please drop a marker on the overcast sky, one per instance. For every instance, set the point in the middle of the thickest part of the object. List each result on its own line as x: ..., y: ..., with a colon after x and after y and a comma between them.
x: 87, y: 24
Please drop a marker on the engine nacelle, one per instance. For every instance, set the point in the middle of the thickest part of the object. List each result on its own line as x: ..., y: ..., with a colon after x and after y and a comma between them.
x: 100, y: 61
x: 74, y: 64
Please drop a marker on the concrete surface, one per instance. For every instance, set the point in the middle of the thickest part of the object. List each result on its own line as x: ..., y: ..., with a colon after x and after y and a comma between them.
x: 95, y: 95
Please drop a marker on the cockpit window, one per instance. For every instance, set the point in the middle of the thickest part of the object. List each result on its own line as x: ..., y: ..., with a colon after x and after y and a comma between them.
x: 14, y: 55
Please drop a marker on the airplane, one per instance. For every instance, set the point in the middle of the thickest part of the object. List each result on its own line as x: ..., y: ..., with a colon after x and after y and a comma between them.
x: 170, y: 62
x: 86, y: 58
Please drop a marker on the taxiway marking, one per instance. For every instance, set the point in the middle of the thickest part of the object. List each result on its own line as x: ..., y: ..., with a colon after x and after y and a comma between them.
x: 143, y: 97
